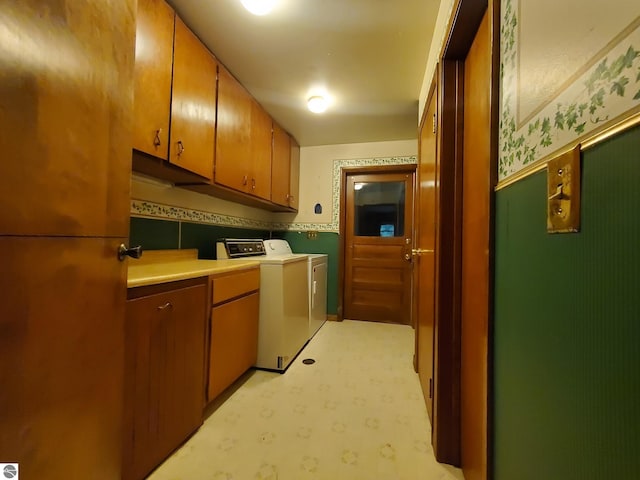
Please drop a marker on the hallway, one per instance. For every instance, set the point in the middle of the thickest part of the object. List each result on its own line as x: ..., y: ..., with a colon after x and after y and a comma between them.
x: 357, y: 413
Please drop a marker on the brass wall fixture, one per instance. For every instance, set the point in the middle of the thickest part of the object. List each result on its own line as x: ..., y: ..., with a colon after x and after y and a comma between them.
x: 563, y: 192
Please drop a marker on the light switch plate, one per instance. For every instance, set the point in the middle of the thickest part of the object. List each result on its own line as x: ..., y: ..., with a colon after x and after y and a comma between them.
x: 563, y: 192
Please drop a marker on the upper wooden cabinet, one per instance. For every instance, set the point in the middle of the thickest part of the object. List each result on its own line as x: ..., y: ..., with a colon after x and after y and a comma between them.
x: 285, y: 169
x: 243, y: 140
x: 280, y: 166
x: 261, y: 126
x: 193, y: 104
x: 175, y: 92
x: 294, y: 174
x: 233, y: 133
x: 152, y: 91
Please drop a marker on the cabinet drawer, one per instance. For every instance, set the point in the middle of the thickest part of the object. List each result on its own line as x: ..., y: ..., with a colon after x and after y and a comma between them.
x: 234, y: 284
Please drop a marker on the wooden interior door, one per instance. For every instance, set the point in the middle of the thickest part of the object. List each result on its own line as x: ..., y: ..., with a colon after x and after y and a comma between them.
x: 377, y: 253
x: 424, y: 253
x: 476, y: 247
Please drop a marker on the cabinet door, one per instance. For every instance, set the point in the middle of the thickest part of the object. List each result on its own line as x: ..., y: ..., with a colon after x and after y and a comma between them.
x: 233, y: 342
x: 61, y: 356
x: 165, y: 343
x: 294, y: 176
x: 65, y: 117
x: 193, y: 104
x: 280, y: 167
x: 260, y: 152
x: 152, y: 93
x: 233, y: 133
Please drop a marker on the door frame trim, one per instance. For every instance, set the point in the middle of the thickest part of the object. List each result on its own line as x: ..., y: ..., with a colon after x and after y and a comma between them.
x: 462, y: 29
x: 344, y: 173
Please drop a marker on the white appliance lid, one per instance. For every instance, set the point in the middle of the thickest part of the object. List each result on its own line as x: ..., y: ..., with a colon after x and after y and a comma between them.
x: 276, y: 247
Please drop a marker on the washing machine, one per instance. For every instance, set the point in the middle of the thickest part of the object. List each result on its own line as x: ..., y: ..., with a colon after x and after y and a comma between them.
x: 317, y: 265
x: 283, y: 328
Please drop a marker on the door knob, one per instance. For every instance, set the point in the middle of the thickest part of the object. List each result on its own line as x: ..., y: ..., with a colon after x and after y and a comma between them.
x: 133, y: 252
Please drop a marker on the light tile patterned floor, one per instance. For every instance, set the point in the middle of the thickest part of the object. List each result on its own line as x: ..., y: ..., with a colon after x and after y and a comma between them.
x: 356, y: 414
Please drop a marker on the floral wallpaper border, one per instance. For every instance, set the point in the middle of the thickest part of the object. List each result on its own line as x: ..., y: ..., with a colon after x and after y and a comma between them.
x: 143, y: 208
x: 602, y: 95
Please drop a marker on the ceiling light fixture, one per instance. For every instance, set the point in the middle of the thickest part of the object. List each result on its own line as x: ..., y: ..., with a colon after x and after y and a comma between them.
x: 259, y: 7
x: 317, y: 104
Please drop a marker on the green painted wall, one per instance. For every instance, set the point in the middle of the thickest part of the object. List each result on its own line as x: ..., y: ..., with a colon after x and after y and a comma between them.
x: 326, y: 242
x: 156, y: 234
x: 567, y: 326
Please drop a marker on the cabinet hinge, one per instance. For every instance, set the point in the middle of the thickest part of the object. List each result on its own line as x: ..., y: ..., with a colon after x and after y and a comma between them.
x: 431, y: 388
x: 435, y: 124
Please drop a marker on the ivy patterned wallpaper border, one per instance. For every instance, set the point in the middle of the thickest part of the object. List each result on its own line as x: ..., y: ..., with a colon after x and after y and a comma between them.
x: 605, y: 93
x: 141, y: 208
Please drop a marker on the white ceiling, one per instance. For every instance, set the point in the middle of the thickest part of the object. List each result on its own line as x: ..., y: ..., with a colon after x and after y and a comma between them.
x: 370, y: 55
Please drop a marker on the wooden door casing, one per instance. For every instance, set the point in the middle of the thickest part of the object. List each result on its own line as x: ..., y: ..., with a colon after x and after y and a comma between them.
x: 377, y: 276
x: 153, y: 70
x: 426, y: 231
x: 476, y: 246
x: 193, y: 104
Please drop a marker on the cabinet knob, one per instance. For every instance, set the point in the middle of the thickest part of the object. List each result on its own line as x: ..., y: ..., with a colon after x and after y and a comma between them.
x: 244, y: 180
x: 253, y: 184
x: 180, y: 147
x: 166, y: 306
x: 156, y: 141
x: 133, y: 252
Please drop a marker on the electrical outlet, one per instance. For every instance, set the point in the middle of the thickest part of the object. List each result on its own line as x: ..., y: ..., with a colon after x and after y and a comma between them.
x: 312, y: 234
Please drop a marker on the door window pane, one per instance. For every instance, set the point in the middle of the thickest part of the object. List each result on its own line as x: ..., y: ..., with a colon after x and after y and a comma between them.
x: 379, y: 209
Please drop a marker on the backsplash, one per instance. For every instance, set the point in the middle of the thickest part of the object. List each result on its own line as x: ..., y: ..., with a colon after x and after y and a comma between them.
x: 158, y: 234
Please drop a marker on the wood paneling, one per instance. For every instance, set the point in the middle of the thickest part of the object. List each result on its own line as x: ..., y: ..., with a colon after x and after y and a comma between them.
x: 476, y: 198
x: 62, y: 356
x: 153, y: 67
x: 193, y: 104
x: 66, y: 97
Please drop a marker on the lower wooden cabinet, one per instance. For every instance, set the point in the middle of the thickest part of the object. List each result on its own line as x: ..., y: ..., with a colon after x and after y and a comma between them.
x: 233, y: 345
x: 165, y: 328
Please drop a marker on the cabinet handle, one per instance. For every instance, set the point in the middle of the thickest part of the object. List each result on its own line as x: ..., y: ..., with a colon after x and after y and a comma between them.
x: 244, y: 180
x: 253, y: 184
x: 156, y: 140
x: 180, y: 147
x: 133, y: 252
x: 166, y: 306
